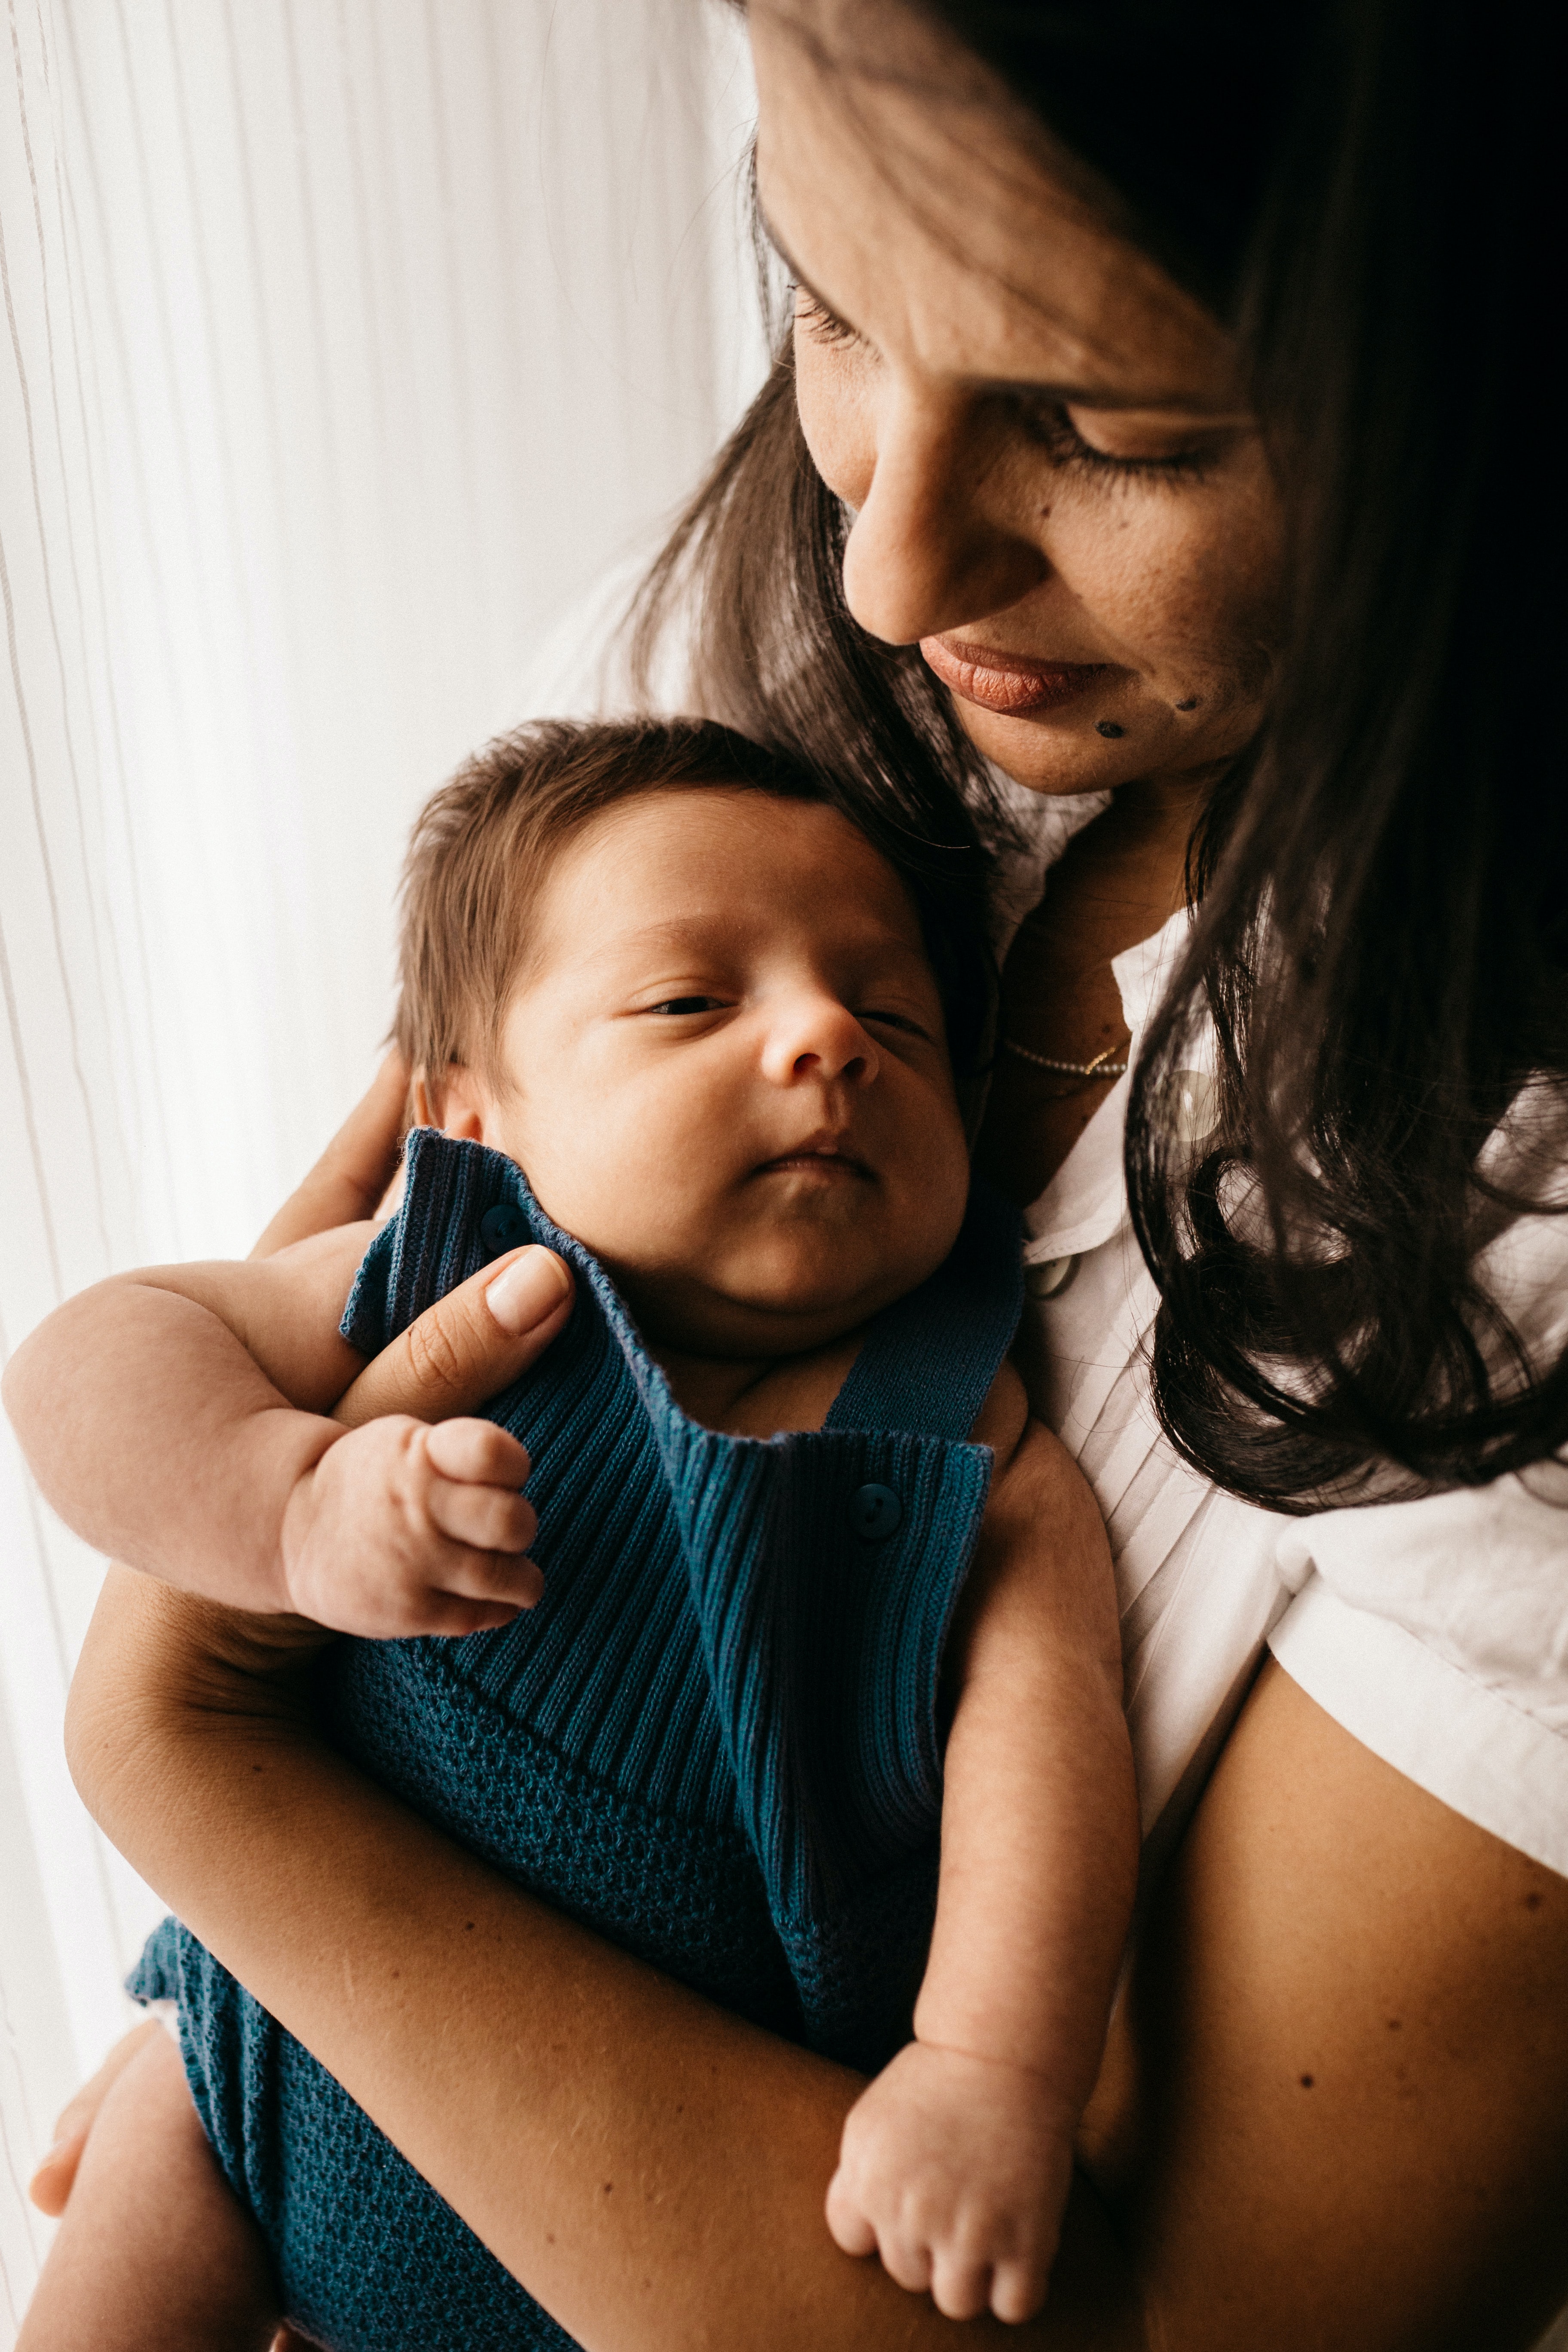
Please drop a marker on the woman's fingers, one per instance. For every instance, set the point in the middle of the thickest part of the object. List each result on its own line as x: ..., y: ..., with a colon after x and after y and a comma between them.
x: 470, y: 1346
x: 349, y: 1178
x: 51, y: 2184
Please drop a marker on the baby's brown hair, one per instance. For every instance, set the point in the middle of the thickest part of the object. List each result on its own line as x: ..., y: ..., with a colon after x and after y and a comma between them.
x: 482, y: 846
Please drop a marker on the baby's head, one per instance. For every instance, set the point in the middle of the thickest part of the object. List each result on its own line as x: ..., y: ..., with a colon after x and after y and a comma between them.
x: 662, y: 970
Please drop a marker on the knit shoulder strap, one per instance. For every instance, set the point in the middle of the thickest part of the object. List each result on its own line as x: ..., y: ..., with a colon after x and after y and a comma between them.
x: 928, y: 1360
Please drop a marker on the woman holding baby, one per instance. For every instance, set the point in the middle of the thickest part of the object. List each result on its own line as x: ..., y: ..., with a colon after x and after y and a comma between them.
x: 1130, y: 492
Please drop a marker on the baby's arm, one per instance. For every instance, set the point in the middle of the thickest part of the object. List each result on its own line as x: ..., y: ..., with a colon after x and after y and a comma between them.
x: 161, y: 1413
x: 955, y: 2163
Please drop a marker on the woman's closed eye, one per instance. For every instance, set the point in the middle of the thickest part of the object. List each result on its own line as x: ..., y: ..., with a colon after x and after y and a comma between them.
x: 1109, y: 443
x: 1124, y: 447
x: 823, y: 325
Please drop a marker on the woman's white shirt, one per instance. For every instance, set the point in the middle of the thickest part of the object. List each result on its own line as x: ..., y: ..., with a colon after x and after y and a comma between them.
x: 1434, y: 1630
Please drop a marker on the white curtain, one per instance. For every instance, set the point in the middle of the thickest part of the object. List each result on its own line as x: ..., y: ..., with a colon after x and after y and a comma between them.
x: 346, y: 343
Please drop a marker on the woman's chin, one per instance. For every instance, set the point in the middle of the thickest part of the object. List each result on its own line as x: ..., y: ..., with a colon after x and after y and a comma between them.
x: 1053, y: 750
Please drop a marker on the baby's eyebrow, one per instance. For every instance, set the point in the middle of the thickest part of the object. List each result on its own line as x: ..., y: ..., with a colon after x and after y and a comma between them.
x: 673, y: 930
x: 710, y: 931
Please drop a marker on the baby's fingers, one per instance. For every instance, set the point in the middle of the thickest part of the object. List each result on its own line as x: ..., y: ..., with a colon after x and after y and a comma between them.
x: 484, y: 1519
x: 499, y: 1583
x: 1018, y: 2289
x: 846, y: 2218
x: 477, y: 1453
x: 960, y: 2287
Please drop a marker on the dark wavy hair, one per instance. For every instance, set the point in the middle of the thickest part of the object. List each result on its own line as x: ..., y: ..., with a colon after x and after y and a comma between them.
x: 1367, y: 190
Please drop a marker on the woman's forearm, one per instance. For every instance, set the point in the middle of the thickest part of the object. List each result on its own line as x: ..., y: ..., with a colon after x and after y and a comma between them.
x: 652, y: 2168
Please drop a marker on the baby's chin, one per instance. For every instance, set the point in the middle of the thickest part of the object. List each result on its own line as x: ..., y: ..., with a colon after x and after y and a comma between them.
x: 795, y: 1294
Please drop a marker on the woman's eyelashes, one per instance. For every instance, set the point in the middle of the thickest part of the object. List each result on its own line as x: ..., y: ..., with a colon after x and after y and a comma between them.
x: 823, y: 325
x: 1050, y: 425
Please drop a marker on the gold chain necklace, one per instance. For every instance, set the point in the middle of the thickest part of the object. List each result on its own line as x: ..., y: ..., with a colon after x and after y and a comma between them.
x: 1102, y: 1067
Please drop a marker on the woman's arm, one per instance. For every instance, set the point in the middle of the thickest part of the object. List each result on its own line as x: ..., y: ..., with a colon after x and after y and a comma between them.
x: 1325, y: 1918
x: 1336, y: 2113
x: 652, y: 2168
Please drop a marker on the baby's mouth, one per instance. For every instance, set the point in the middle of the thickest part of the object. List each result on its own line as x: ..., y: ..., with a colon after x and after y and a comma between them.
x: 827, y: 1160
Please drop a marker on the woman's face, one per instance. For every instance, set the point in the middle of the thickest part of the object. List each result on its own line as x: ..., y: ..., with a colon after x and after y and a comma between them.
x: 1056, y: 489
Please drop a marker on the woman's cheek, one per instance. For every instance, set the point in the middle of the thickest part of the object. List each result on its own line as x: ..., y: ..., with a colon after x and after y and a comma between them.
x: 1171, y: 574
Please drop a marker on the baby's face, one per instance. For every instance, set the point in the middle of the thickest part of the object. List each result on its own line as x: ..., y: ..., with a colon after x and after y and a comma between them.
x: 727, y: 1072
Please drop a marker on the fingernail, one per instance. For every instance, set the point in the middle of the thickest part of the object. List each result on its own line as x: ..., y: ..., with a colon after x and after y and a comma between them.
x: 532, y: 1286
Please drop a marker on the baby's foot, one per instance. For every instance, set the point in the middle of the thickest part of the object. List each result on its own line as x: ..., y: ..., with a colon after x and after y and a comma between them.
x: 955, y: 2170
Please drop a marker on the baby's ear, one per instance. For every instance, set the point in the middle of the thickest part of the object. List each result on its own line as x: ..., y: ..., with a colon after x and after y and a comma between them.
x: 450, y: 1101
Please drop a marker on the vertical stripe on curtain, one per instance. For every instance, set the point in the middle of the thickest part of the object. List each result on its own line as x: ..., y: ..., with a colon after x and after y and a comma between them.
x: 346, y: 343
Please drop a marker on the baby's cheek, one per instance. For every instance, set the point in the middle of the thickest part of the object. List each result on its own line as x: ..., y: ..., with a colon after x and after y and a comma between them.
x: 636, y: 1199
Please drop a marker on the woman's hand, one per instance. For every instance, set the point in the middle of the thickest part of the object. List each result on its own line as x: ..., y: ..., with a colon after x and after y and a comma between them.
x: 349, y: 1181
x: 471, y: 1344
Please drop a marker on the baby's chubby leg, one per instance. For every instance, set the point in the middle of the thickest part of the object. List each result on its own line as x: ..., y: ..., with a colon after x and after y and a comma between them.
x: 154, y: 2253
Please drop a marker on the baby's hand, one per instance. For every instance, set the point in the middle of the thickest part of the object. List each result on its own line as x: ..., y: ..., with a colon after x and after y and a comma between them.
x: 403, y: 1528
x: 955, y: 2170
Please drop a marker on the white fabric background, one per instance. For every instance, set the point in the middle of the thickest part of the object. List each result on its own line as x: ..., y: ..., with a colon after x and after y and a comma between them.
x: 346, y: 342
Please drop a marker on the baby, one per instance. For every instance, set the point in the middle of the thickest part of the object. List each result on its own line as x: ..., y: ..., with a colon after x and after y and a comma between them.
x: 801, y: 1594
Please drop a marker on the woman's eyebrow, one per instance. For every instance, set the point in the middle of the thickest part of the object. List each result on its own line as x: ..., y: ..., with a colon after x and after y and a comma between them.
x: 1068, y: 396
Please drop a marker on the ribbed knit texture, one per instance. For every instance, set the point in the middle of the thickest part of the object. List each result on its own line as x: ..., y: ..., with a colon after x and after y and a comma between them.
x: 714, y: 1740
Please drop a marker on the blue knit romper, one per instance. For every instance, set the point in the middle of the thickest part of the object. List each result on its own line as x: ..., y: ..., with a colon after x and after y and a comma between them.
x: 715, y: 1740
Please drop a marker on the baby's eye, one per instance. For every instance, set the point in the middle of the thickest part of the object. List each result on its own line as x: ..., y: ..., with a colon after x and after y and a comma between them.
x: 886, y: 1019
x: 676, y: 1005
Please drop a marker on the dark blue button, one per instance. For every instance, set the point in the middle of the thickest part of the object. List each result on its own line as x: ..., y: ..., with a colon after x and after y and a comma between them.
x: 502, y: 1228
x: 875, y: 1513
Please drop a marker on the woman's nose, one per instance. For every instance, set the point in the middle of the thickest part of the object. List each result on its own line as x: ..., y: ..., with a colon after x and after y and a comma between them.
x: 934, y: 546
x: 816, y: 1037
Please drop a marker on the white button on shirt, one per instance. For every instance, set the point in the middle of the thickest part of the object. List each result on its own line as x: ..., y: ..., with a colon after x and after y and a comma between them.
x: 1434, y: 1630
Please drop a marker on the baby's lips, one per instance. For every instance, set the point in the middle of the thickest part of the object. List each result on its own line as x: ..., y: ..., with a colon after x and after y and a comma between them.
x: 528, y: 1290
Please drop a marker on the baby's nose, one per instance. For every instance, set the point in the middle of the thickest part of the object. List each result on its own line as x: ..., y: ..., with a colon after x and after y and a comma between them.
x: 821, y: 1038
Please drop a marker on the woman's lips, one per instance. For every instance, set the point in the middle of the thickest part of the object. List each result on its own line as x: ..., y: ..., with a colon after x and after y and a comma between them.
x: 1011, y: 683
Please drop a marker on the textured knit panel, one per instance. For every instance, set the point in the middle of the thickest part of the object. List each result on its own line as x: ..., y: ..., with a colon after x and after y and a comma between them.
x: 714, y: 1740
x: 368, y: 2257
x: 607, y: 1668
